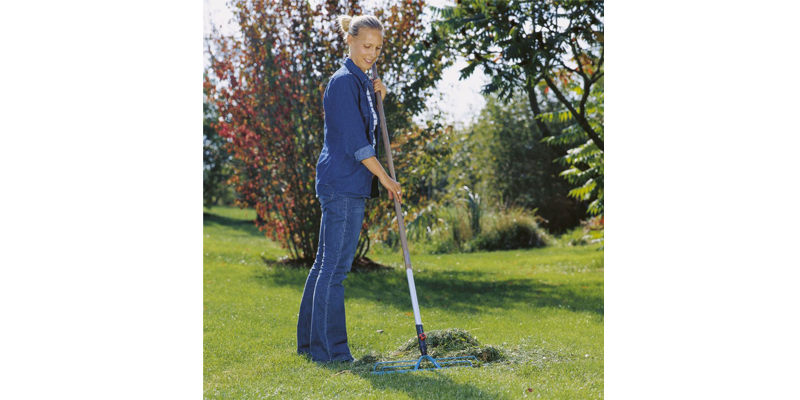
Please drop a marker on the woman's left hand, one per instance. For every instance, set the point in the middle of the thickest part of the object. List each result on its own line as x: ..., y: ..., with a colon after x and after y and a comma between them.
x: 379, y: 87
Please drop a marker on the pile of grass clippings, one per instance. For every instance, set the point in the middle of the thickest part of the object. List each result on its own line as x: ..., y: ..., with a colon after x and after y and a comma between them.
x: 441, y: 344
x: 452, y: 343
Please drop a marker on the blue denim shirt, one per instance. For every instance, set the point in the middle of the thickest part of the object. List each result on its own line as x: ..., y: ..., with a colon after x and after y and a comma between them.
x: 350, y: 126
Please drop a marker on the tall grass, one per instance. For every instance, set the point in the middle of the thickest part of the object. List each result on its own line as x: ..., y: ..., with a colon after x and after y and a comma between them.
x: 514, y: 228
x: 475, y: 208
x: 468, y: 226
x: 591, y: 231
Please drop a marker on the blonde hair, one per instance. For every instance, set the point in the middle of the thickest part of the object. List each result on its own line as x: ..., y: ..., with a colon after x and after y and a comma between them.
x: 352, y: 25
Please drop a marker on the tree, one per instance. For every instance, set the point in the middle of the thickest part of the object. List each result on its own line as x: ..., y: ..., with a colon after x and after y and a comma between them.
x: 216, y: 160
x: 268, y: 87
x: 501, y: 157
x: 537, y: 47
x: 584, y: 160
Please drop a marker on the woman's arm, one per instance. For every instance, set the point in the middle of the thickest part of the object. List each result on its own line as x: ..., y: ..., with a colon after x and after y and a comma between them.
x: 390, y: 184
x: 343, y: 118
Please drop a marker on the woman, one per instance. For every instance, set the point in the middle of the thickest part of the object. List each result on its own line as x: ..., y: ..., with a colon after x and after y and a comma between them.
x: 345, y: 171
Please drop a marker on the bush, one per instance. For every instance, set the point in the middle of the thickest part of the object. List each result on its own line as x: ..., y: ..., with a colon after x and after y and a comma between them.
x: 513, y: 229
x: 575, y: 237
x: 452, y: 229
x: 591, y: 231
x: 436, y: 230
x: 444, y: 246
x: 595, y: 226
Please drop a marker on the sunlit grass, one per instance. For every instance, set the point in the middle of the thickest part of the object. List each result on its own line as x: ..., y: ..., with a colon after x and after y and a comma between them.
x: 544, y: 307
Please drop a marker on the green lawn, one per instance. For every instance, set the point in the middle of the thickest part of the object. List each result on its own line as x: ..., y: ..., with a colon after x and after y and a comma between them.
x: 543, y: 306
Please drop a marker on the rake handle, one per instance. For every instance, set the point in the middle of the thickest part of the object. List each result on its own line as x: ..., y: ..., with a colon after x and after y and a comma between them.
x: 423, y: 348
x: 387, y: 146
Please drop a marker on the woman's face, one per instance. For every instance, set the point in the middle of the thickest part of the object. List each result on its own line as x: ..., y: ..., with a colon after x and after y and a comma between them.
x: 366, y: 47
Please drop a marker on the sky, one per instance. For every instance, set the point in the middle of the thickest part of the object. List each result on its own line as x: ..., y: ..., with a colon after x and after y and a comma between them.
x: 459, y: 101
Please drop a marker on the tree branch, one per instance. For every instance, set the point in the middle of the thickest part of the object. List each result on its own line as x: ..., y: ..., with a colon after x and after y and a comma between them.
x: 537, y: 111
x: 599, y: 65
x: 578, y: 117
x: 534, y: 102
x: 584, y: 124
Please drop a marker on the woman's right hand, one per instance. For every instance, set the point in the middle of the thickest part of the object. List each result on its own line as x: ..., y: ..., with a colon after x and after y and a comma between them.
x: 393, y: 187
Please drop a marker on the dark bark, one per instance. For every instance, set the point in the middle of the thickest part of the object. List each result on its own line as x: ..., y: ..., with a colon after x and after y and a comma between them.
x: 584, y: 124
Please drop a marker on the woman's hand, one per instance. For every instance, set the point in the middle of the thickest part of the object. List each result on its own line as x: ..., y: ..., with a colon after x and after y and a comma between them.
x: 393, y: 187
x: 379, y: 87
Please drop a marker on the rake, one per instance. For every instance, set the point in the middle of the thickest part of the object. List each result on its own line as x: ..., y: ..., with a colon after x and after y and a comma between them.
x: 388, y: 367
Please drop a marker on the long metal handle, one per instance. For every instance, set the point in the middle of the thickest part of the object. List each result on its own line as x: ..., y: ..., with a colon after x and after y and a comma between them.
x: 387, y: 146
x: 401, y: 225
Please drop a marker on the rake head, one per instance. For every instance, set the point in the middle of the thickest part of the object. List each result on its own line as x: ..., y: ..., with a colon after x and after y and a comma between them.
x: 389, y: 367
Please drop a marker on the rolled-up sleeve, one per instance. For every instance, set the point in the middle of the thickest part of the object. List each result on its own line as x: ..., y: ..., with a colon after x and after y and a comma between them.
x: 344, y: 118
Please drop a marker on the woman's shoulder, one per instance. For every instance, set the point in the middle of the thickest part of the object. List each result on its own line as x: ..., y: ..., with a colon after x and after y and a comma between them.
x: 343, y: 76
x: 342, y: 83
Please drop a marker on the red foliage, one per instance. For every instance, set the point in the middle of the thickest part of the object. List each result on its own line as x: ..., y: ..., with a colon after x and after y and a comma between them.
x: 268, y: 86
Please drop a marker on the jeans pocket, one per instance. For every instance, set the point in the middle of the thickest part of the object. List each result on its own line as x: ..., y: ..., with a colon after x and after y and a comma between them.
x: 326, y: 192
x: 334, y: 205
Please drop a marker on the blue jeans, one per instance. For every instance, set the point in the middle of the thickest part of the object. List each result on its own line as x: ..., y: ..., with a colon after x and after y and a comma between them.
x: 321, y: 330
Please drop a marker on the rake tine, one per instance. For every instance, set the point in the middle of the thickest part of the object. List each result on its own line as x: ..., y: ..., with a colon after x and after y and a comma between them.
x: 388, y: 367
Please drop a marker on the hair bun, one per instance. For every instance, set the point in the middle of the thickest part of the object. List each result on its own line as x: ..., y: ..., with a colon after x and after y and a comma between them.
x: 352, y: 25
x: 344, y: 23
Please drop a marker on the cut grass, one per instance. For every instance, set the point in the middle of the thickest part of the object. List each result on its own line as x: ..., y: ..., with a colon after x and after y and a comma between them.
x: 451, y: 343
x: 542, y: 308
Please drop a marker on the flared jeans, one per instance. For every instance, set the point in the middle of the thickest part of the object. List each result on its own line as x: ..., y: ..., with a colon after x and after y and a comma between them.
x: 321, y: 330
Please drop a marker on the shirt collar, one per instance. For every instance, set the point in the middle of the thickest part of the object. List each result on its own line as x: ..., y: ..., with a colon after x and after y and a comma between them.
x: 355, y: 70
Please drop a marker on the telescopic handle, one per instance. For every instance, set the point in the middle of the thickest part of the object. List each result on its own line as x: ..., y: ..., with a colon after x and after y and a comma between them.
x: 387, y: 146
x: 399, y: 211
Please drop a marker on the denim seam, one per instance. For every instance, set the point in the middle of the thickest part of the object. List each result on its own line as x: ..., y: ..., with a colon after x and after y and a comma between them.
x: 314, y: 297
x: 333, y: 191
x: 328, y: 289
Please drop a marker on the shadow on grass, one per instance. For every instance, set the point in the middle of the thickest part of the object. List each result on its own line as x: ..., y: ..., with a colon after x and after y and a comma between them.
x: 463, y: 291
x: 417, y: 385
x: 246, y: 226
x: 360, y: 265
x: 426, y: 385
